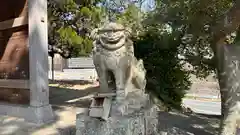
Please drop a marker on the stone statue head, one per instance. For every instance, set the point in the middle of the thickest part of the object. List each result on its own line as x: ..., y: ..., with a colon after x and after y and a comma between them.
x: 111, y: 35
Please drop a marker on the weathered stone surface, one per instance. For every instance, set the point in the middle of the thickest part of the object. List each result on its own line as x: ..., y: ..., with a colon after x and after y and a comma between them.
x: 134, y: 102
x: 113, y: 54
x: 136, y: 115
x: 140, y: 123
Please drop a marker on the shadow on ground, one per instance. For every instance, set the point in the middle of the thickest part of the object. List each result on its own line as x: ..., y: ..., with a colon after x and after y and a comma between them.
x: 66, y: 100
x: 71, y: 97
x: 175, y: 123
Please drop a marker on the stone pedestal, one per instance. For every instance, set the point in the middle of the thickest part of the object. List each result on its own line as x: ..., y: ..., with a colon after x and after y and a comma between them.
x: 136, y: 115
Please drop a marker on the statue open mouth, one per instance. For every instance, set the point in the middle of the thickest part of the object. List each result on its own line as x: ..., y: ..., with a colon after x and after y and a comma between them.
x: 112, y: 37
x: 109, y: 40
x: 113, y: 40
x: 112, y: 43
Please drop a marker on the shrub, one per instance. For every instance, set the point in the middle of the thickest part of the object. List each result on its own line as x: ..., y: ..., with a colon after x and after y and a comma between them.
x: 166, y: 78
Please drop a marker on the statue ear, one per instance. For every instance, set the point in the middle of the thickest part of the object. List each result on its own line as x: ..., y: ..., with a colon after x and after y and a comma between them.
x: 94, y: 34
x: 128, y: 32
x: 139, y: 63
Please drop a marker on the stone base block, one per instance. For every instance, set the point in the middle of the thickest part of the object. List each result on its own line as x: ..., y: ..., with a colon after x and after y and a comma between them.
x: 143, y: 122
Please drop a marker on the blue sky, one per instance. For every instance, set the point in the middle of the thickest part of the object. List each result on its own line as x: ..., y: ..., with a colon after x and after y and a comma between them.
x: 147, y: 4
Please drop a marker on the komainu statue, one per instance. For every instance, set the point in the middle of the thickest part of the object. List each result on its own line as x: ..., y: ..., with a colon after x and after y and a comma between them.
x: 128, y: 110
x: 113, y: 54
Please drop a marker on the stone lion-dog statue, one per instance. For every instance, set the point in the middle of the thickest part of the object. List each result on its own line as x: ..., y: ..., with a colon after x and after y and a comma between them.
x: 113, y: 54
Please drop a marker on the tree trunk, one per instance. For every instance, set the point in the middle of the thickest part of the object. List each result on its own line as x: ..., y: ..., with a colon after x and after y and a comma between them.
x: 227, y: 70
x: 229, y: 80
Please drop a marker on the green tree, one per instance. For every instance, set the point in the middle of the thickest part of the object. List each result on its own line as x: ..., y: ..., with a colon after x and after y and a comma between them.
x: 193, y: 20
x: 70, y: 23
x: 132, y: 18
x: 205, y: 26
x: 166, y: 78
x: 127, y: 12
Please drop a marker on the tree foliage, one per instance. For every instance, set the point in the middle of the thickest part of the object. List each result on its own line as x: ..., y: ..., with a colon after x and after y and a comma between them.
x: 126, y: 12
x: 70, y: 23
x: 166, y: 77
x: 193, y: 21
x: 202, y: 23
x: 191, y: 26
